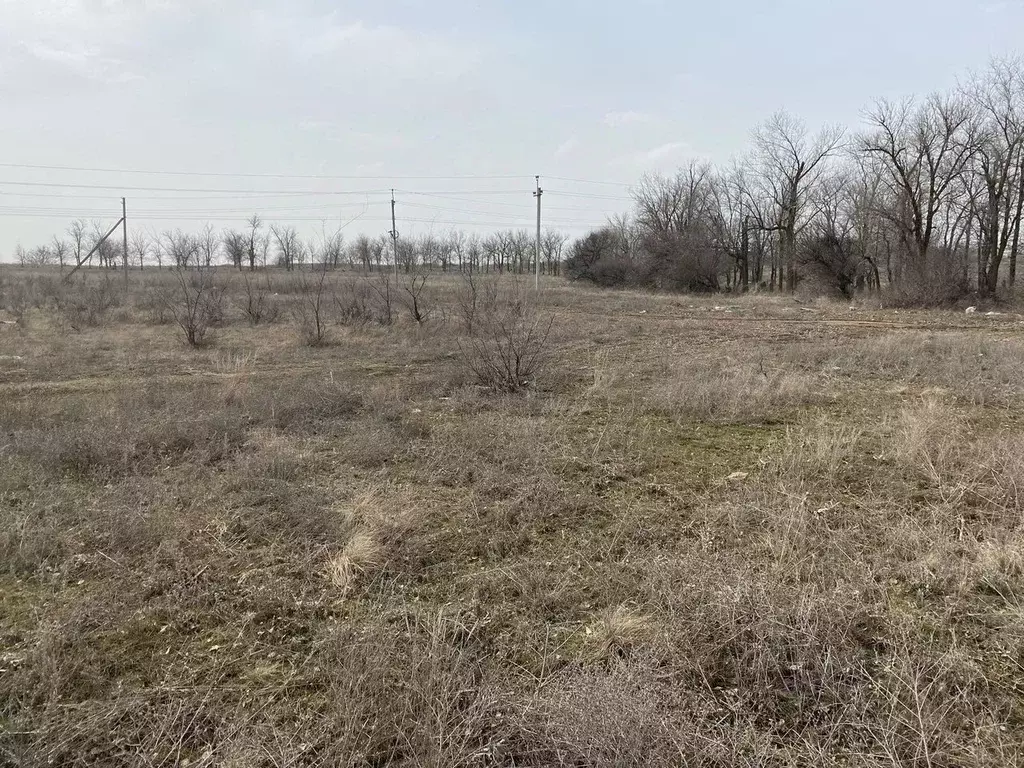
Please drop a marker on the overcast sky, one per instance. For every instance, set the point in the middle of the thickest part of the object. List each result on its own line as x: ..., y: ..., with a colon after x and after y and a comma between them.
x: 499, y: 90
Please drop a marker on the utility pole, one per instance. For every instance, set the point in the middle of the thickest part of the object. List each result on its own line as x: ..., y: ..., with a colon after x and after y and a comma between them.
x: 394, y: 234
x: 96, y: 247
x: 124, y: 234
x: 536, y: 278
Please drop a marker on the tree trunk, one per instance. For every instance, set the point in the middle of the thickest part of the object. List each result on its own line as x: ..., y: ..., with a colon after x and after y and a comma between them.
x: 1016, y: 224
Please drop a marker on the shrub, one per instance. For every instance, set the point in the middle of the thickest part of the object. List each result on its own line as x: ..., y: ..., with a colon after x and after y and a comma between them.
x: 196, y: 303
x: 310, y: 307
x: 87, y: 305
x: 257, y: 302
x: 353, y: 304
x: 414, y: 299
x: 385, y: 293
x: 507, y: 347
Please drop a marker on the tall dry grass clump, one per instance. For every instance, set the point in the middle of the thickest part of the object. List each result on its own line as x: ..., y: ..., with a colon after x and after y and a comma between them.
x: 737, y: 392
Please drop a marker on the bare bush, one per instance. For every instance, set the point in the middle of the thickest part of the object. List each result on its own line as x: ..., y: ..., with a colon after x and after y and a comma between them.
x: 311, y: 306
x: 87, y: 305
x: 508, y: 345
x: 196, y: 303
x: 474, y: 297
x: 415, y: 697
x: 257, y: 302
x: 604, y: 719
x: 385, y: 293
x: 353, y: 303
x: 414, y: 299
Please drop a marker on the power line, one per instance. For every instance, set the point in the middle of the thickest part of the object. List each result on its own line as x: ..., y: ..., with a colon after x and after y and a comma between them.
x: 589, y: 195
x: 211, y: 174
x: 242, y: 217
x: 518, y: 206
x: 67, y: 185
x: 498, y: 214
x: 286, y: 192
x: 309, y: 176
x: 291, y: 196
x: 590, y: 181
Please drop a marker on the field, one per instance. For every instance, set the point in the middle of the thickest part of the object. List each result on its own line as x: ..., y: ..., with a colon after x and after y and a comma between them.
x: 734, y: 531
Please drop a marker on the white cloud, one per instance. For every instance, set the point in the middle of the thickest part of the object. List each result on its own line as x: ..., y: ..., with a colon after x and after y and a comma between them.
x: 653, y: 157
x: 92, y: 39
x: 342, y: 132
x: 80, y: 60
x: 665, y: 151
x: 567, y: 147
x: 355, y: 45
x: 629, y: 117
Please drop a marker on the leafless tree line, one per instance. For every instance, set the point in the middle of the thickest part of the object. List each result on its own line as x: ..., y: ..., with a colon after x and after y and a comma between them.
x: 259, y: 245
x: 926, y: 201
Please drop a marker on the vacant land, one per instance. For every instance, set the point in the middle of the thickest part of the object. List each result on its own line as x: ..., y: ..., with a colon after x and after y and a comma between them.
x: 724, y: 532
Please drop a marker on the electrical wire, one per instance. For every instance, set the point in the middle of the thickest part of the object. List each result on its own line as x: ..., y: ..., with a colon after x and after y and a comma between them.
x: 590, y: 181
x: 312, y: 176
x: 242, y: 218
x: 212, y: 174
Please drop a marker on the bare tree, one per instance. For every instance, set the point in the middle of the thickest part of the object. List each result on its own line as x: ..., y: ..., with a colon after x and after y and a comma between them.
x: 922, y: 152
x: 787, y: 164
x: 332, y: 248
x: 108, y: 252
x: 182, y: 248
x: 427, y: 249
x: 236, y: 247
x: 61, y: 250
x: 551, y: 245
x: 407, y: 254
x: 77, y: 232
x: 100, y: 250
x: 998, y: 97
x: 289, y: 246
x: 456, y: 246
x: 677, y: 221
x: 139, y: 247
x: 474, y: 253
x: 523, y: 249
x: 257, y: 242
x: 209, y: 244
x: 40, y: 256
x: 363, y: 252
x: 674, y: 203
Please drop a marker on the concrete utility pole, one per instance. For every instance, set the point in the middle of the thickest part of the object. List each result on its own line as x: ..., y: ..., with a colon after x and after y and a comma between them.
x: 536, y: 278
x: 394, y: 234
x: 124, y: 233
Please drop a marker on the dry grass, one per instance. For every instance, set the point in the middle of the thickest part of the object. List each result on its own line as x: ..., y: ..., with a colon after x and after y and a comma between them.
x: 747, y: 391
x: 705, y: 534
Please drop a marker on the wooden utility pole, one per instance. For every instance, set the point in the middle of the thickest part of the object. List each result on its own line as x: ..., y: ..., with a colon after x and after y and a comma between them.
x: 536, y: 278
x: 394, y: 234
